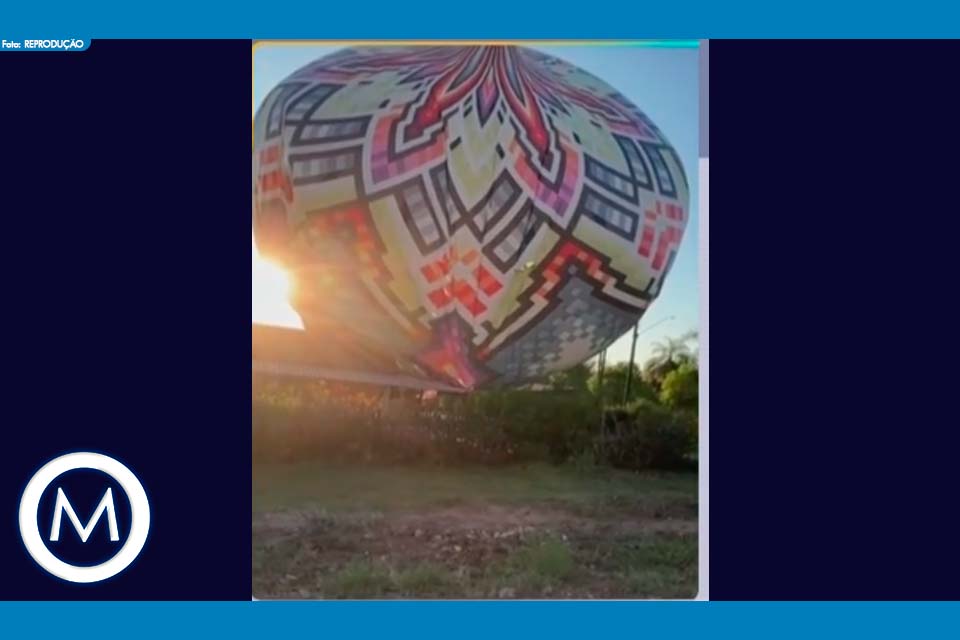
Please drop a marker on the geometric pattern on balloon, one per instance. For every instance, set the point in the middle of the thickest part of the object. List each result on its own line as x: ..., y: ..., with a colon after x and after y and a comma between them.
x: 501, y: 213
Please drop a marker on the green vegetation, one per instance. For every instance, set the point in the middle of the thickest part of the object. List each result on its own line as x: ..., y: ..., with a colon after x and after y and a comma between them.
x: 574, y: 415
x: 680, y: 388
x: 425, y: 580
x: 337, y: 488
x: 615, y: 382
x: 361, y: 579
x: 550, y: 560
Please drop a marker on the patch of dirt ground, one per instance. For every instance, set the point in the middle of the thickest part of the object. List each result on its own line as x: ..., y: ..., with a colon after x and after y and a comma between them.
x: 478, y: 551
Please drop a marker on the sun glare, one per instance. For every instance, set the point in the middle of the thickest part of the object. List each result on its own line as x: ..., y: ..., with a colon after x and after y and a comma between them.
x: 271, y: 288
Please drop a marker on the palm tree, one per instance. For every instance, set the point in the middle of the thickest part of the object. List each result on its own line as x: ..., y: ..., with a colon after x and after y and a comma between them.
x: 692, y: 337
x: 670, y: 350
x: 668, y: 355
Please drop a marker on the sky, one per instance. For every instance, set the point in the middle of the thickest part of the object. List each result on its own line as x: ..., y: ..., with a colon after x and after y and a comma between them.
x: 662, y: 82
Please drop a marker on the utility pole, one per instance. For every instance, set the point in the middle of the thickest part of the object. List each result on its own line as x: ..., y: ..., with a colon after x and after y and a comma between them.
x: 601, y: 366
x: 633, y: 350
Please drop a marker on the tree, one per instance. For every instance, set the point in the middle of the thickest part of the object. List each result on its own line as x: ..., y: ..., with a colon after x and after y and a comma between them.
x: 574, y: 379
x: 614, y: 383
x: 680, y: 388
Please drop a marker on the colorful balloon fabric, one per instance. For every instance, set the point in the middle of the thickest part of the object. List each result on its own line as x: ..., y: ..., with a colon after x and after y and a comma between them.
x: 473, y: 215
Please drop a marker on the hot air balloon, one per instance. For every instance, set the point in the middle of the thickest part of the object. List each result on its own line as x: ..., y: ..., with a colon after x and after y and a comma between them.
x: 465, y: 216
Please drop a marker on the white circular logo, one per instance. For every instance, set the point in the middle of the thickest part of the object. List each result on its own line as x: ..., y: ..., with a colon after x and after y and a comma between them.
x: 139, y: 511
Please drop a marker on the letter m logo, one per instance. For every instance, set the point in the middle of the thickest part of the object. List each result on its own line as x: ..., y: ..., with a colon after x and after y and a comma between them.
x: 63, y: 505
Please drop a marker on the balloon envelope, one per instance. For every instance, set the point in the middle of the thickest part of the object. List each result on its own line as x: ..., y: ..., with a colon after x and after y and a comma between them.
x: 470, y: 215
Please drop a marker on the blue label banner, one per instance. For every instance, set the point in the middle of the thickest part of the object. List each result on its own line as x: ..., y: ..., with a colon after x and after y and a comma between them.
x: 44, y: 44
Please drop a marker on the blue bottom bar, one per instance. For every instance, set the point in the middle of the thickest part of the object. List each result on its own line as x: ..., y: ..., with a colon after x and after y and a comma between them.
x: 457, y: 620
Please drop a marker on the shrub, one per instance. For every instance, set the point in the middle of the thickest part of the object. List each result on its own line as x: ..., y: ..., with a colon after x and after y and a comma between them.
x: 556, y: 424
x: 299, y: 420
x: 655, y: 437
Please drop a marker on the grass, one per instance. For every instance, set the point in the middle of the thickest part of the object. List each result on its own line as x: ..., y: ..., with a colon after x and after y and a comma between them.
x: 517, y: 532
x: 425, y: 580
x: 661, y: 566
x: 339, y: 488
x: 360, y: 580
x: 540, y: 567
x: 369, y: 579
x: 549, y: 559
